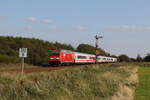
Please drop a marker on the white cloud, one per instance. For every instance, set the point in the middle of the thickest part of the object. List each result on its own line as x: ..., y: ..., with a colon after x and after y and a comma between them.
x: 32, y: 19
x: 55, y: 28
x: 28, y: 28
x: 128, y: 27
x: 81, y: 28
x: 47, y: 21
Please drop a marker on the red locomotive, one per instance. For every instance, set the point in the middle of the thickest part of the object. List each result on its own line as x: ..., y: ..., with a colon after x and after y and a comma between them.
x: 58, y: 57
x: 61, y: 57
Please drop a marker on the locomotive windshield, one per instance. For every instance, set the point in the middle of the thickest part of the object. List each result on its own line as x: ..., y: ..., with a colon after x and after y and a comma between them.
x: 55, y: 53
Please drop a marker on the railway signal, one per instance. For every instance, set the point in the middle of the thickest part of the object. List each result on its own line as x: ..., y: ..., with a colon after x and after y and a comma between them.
x: 96, y: 46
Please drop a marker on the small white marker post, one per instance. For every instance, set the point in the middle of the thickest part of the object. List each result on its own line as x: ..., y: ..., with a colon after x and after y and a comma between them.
x: 23, y: 55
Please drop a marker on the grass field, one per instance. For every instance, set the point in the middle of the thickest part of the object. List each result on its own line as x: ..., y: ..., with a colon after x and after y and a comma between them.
x: 94, y: 82
x: 143, y: 90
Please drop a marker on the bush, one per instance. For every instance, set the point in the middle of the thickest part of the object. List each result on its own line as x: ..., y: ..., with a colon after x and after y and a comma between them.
x: 8, y: 59
x: 124, y: 58
x: 147, y: 58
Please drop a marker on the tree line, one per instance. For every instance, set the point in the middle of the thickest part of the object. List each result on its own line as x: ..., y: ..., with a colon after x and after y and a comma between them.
x: 125, y: 58
x: 38, y: 50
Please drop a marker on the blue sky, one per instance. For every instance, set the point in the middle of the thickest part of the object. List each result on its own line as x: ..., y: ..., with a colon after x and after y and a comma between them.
x: 124, y: 24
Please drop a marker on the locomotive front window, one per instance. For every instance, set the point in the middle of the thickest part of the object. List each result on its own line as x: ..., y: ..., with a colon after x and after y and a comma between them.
x: 55, y: 54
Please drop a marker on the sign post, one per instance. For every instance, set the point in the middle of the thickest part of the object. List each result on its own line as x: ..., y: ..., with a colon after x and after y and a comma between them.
x: 23, y: 55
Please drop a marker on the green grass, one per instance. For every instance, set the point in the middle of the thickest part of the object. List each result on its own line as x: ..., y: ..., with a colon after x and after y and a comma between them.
x: 94, y: 82
x: 143, y: 90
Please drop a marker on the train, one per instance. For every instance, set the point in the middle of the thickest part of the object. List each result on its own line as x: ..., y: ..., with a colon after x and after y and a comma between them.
x: 67, y: 57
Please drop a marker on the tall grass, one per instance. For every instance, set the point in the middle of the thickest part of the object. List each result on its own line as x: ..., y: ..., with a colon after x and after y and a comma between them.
x: 95, y: 82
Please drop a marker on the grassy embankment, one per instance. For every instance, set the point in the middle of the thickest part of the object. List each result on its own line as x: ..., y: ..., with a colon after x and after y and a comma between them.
x: 143, y: 90
x: 95, y: 82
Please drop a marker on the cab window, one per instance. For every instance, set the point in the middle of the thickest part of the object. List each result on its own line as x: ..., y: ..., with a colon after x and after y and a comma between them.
x: 55, y: 53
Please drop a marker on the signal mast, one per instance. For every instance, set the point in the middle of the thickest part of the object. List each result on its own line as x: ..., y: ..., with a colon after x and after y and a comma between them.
x: 96, y: 46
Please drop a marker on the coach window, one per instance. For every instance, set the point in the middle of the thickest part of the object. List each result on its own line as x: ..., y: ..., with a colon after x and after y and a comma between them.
x: 81, y: 57
x: 92, y: 57
x: 104, y: 58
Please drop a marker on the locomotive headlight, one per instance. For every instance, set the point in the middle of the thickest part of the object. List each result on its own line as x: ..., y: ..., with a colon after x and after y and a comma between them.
x: 54, y: 58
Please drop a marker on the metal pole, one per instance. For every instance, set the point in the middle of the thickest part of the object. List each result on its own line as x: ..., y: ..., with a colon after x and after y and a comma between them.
x: 96, y: 46
x: 22, y: 65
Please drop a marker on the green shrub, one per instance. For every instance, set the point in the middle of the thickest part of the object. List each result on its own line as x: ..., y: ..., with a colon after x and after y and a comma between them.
x: 8, y: 59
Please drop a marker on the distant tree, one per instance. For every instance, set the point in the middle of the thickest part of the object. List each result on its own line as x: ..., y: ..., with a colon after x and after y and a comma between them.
x: 63, y: 46
x: 139, y: 58
x: 113, y: 56
x: 124, y: 58
x: 86, y: 48
x: 133, y: 60
x: 147, y: 58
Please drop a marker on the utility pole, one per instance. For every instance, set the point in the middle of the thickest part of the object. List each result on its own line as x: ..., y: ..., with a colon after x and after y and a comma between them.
x: 96, y: 46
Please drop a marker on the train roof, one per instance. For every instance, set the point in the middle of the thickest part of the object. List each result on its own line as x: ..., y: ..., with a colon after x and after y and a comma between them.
x: 106, y: 56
